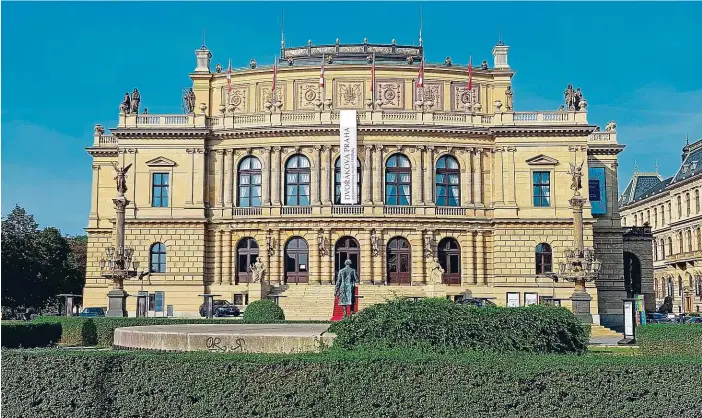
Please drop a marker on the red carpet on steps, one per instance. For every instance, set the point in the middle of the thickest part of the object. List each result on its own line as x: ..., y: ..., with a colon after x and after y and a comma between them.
x: 339, y: 312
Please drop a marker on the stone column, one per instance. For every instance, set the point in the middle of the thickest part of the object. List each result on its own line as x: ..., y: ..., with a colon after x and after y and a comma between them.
x: 511, y: 178
x: 498, y: 170
x: 314, y: 176
x: 469, y: 276
x: 378, y: 176
x: 478, y: 177
x: 220, y: 177
x: 266, y: 178
x: 275, y: 176
x: 379, y: 275
x: 416, y: 176
x: 191, y: 176
x: 366, y: 271
x: 418, y: 272
x: 467, y: 179
x: 367, y: 181
x: 326, y: 175
x: 480, y: 255
x: 94, y: 206
x: 199, y: 176
x: 218, y: 257
x: 227, y: 257
x: 429, y: 174
x: 228, y: 158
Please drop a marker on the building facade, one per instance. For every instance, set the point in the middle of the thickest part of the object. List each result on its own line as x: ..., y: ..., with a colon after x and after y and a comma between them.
x: 451, y: 180
x: 672, y: 209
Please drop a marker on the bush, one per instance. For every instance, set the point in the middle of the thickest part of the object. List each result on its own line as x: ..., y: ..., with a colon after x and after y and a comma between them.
x: 657, y: 339
x: 75, y: 330
x: 24, y: 335
x: 345, y: 384
x: 263, y: 311
x: 441, y: 325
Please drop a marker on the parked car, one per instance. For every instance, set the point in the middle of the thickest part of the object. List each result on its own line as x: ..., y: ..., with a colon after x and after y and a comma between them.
x: 221, y: 308
x: 694, y: 320
x: 93, y: 311
x: 479, y: 302
x: 658, y: 318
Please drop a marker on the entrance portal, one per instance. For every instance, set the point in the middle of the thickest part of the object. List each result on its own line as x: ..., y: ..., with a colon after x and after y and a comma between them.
x: 347, y: 248
x: 632, y: 274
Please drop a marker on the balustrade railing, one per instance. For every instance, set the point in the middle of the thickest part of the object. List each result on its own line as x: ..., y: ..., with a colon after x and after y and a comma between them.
x: 107, y: 140
x: 250, y: 211
x: 450, y: 211
x: 347, y: 210
x: 399, y: 210
x: 296, y: 210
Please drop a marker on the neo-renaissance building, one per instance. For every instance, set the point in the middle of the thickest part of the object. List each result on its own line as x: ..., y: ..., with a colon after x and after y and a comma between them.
x: 672, y: 208
x: 445, y: 172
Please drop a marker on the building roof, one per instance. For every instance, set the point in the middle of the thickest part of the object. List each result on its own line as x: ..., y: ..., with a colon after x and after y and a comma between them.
x: 644, y: 185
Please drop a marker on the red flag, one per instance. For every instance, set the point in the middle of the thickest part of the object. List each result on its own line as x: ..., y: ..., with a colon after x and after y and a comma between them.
x: 275, y: 75
x: 321, y: 74
x: 420, y: 77
x: 373, y: 77
x: 470, y: 74
x: 229, y: 76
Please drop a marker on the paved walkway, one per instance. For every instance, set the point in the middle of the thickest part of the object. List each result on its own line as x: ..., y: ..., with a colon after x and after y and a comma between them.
x: 605, y: 340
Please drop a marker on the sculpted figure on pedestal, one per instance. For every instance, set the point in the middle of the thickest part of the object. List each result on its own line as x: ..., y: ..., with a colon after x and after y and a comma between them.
x: 136, y: 99
x: 257, y: 270
x: 509, y: 98
x: 125, y: 106
x: 436, y: 272
x: 345, y: 282
x: 121, y: 177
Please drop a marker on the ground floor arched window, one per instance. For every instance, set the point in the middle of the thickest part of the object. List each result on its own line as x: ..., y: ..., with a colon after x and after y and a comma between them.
x: 399, y: 261
x: 246, y: 256
x: 450, y: 261
x: 347, y: 248
x: 296, y: 261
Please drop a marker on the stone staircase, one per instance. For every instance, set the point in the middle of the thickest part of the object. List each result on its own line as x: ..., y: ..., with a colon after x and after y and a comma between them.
x: 305, y: 301
x: 602, y: 331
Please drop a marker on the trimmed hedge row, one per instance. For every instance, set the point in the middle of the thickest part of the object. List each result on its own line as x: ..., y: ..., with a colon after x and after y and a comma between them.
x: 665, y: 339
x: 133, y: 384
x: 23, y: 335
x: 438, y: 324
x: 81, y: 331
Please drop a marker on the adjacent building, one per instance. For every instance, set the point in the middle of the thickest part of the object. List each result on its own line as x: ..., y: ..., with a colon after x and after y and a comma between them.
x: 458, y: 193
x: 672, y: 209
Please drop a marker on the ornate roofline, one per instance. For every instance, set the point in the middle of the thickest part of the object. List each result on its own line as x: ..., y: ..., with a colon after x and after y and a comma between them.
x: 383, y: 52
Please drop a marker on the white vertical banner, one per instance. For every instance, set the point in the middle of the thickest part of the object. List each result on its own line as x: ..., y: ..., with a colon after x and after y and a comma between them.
x: 349, y: 157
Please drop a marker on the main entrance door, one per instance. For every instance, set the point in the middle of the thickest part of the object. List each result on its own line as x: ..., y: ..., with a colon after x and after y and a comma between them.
x: 399, y: 263
x: 347, y: 249
x: 296, y: 258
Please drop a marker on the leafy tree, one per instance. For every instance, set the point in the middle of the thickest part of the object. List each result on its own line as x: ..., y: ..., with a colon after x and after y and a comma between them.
x: 78, y: 261
x: 19, y: 263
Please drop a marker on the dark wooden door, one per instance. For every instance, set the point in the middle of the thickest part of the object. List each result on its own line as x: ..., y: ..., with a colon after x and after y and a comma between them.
x: 247, y: 254
x: 399, y: 261
x: 296, y: 261
x: 347, y: 248
x: 450, y: 261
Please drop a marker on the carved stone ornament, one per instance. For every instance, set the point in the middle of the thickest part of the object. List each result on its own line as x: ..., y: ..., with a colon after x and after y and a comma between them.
x: 238, y: 99
x: 374, y: 244
x: 463, y: 99
x: 306, y: 95
x: 391, y: 93
x: 266, y: 96
x: 611, y: 126
x: 349, y: 95
x: 431, y: 95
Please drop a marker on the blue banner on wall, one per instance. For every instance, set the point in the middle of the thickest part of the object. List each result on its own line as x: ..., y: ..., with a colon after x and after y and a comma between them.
x: 598, y: 190
x: 159, y: 301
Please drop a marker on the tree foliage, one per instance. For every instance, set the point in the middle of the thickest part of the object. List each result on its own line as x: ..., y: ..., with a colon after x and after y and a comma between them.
x: 38, y: 264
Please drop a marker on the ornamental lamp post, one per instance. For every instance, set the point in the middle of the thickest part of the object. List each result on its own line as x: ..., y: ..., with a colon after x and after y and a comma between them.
x: 580, y: 265
x: 118, y: 264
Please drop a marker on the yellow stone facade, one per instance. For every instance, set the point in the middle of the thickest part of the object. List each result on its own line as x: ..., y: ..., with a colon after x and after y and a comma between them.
x: 496, y: 225
x: 672, y: 208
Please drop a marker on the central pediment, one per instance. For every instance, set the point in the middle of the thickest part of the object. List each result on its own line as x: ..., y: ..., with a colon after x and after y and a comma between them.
x: 542, y: 159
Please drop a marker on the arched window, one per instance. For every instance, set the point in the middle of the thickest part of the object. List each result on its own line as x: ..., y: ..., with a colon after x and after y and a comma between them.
x: 655, y: 251
x: 544, y: 259
x: 697, y: 201
x: 698, y: 287
x: 448, y: 183
x: 249, y: 182
x: 399, y: 261
x: 347, y: 248
x: 655, y: 287
x: 688, y: 239
x: 662, y: 244
x: 337, y: 181
x: 296, y: 261
x: 680, y: 243
x: 158, y: 258
x: 655, y: 217
x: 246, y: 256
x: 670, y: 289
x: 670, y: 246
x: 699, y: 238
x: 450, y: 261
x: 680, y: 286
x: 398, y: 181
x: 297, y: 181
x: 687, y: 204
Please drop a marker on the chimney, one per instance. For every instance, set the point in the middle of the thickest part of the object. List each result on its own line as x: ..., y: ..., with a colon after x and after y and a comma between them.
x: 203, y: 59
x: 499, y: 52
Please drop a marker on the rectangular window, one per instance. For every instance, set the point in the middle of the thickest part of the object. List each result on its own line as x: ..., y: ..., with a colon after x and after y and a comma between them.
x: 542, y: 188
x: 679, y: 207
x: 159, y: 190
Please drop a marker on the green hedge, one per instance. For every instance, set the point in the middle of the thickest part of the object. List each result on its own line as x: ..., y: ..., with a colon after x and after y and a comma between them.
x: 24, y: 335
x: 132, y: 384
x: 82, y: 331
x: 263, y: 311
x: 439, y: 324
x: 657, y: 339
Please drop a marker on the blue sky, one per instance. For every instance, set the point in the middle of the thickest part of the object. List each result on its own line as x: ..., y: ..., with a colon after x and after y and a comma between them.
x: 67, y: 65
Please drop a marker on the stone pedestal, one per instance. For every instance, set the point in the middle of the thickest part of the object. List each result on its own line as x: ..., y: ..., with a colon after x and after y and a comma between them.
x: 117, y: 303
x: 581, y: 306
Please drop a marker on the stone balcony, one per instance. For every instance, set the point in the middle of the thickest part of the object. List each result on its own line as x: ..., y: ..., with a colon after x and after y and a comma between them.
x: 344, y: 211
x: 683, y: 257
x: 275, y: 119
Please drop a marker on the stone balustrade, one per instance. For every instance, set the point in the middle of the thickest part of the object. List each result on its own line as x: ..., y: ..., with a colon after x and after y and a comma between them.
x: 603, y: 137
x: 365, y: 117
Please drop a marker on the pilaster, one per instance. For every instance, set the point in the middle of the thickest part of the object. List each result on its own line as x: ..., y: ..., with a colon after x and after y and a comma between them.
x: 218, y: 257
x: 367, y: 179
x: 275, y: 176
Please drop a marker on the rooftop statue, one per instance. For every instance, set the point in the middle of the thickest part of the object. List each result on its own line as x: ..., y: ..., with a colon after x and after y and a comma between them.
x: 121, y: 177
x: 125, y: 106
x: 136, y: 99
x: 509, y: 98
x: 189, y: 101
